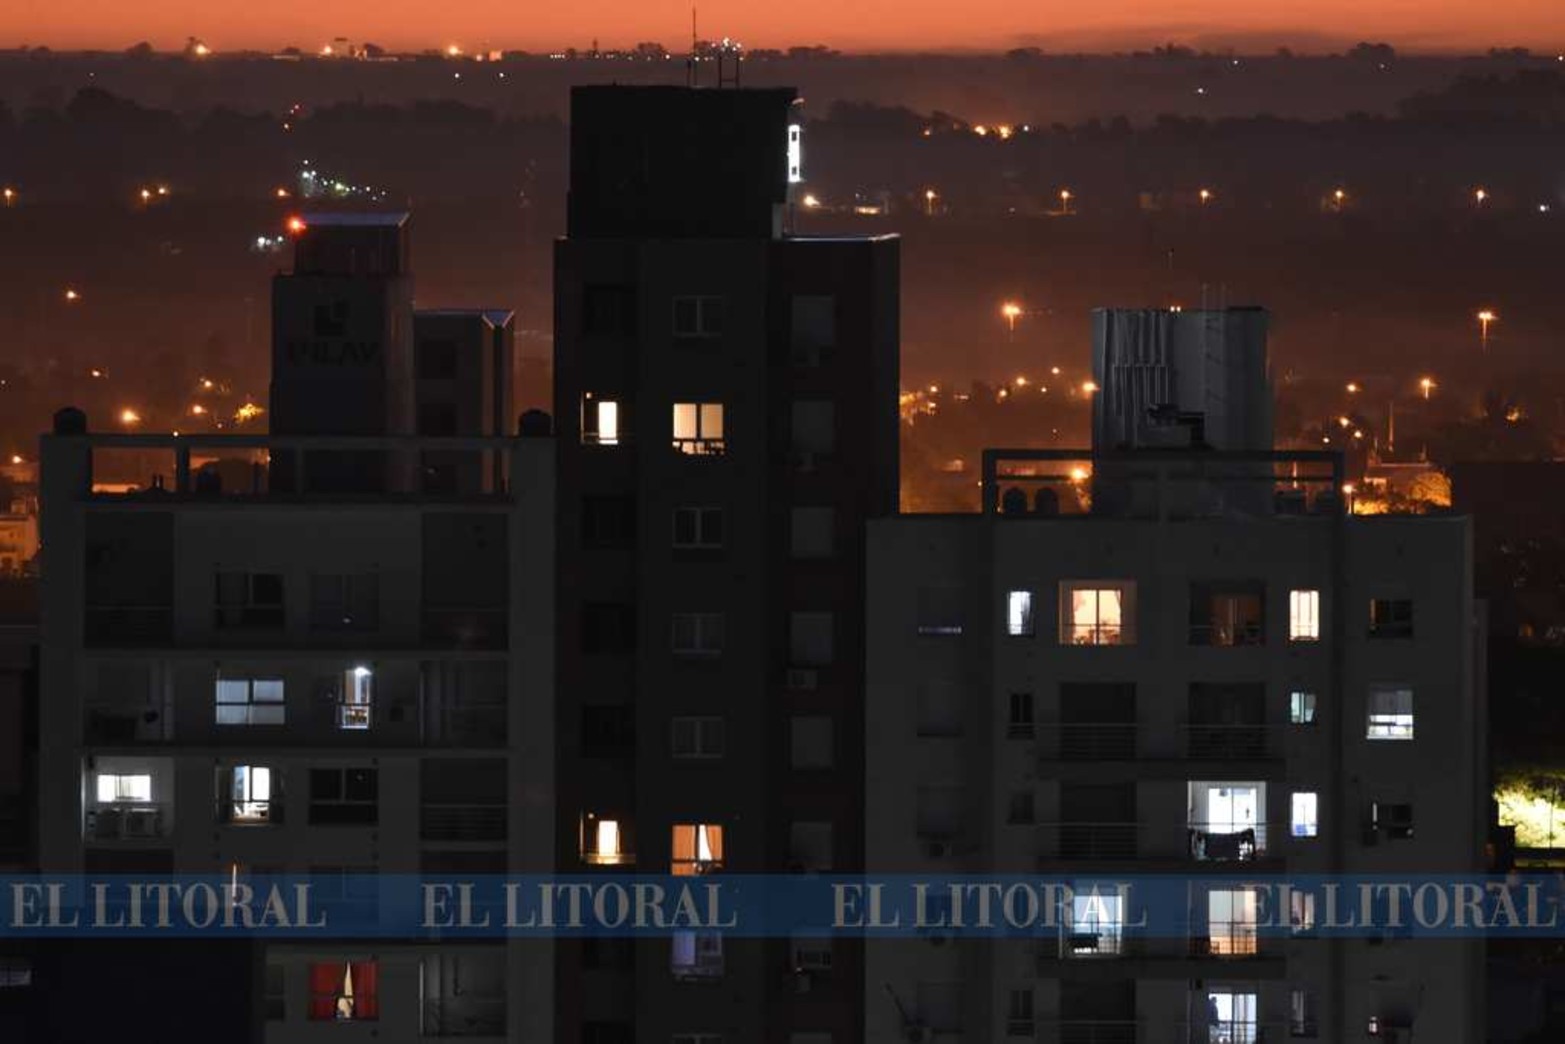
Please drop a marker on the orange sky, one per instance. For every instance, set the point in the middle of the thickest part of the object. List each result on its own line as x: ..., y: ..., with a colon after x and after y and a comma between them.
x: 1256, y: 25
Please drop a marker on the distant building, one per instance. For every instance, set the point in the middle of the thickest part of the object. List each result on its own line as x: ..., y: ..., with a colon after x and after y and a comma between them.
x: 341, y: 665
x: 1240, y: 680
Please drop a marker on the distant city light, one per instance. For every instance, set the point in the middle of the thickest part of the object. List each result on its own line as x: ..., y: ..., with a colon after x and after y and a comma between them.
x: 810, y: 201
x: 282, y: 193
x: 1353, y: 388
x: 1479, y: 195
x: 249, y: 411
x: 197, y: 409
x: 200, y: 50
x: 97, y: 373
x: 1206, y: 196
x: 72, y: 295
x: 1011, y: 311
x: 1426, y: 384
x: 1020, y: 382
x: 16, y: 458
x: 1078, y: 474
x: 129, y: 417
x: 453, y: 51
x: 1088, y: 387
x: 296, y: 225
x: 9, y: 195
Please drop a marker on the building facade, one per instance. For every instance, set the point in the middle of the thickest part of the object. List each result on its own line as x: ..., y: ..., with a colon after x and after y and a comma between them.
x: 1172, y: 683
x: 727, y: 395
x: 318, y: 651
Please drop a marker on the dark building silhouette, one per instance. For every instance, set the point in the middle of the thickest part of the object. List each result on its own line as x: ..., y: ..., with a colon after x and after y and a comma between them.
x: 727, y: 403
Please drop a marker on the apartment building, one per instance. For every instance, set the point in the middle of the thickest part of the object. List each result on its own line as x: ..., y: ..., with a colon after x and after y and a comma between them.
x: 325, y: 650
x: 727, y: 395
x: 1175, y: 654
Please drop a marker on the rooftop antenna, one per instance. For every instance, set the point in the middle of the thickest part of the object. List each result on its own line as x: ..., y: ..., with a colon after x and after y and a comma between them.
x: 691, y: 77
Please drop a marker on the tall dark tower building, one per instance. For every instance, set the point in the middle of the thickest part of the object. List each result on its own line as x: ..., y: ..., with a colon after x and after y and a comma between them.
x: 342, y: 348
x: 727, y: 403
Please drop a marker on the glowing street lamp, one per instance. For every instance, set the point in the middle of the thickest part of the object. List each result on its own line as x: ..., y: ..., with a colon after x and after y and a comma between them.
x: 1426, y: 384
x: 1065, y: 200
x: 1088, y: 387
x: 71, y: 296
x: 129, y: 417
x: 811, y: 202
x: 1353, y: 388
x: 1206, y: 196
x: 1480, y: 196
x: 1485, y: 317
x: 8, y: 194
x: 1012, y: 312
x: 930, y: 195
x: 1338, y: 198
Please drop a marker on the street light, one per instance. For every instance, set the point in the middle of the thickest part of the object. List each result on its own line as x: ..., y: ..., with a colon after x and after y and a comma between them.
x: 1088, y: 387
x: 1012, y: 312
x: 1479, y: 196
x: 1353, y: 388
x: 1485, y: 317
x: 1206, y: 196
x: 1065, y: 201
x: 930, y: 195
x: 9, y: 195
x: 1427, y: 384
x: 71, y: 295
x: 1339, y: 197
x: 129, y: 417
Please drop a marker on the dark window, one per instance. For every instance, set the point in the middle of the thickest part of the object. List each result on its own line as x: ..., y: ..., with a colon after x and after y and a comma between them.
x: 1022, y: 807
x: 1020, y: 725
x: 698, y: 527
x: 1391, y: 618
x: 437, y: 360
x: 344, y: 601
x: 608, y: 521
x: 608, y: 731
x: 331, y: 320
x: 1394, y: 822
x: 249, y: 600
x: 608, y: 1033
x: 608, y: 310
x: 607, y: 954
x: 437, y: 418
x: 344, y: 797
x: 1231, y: 613
x: 698, y: 316
x: 607, y: 627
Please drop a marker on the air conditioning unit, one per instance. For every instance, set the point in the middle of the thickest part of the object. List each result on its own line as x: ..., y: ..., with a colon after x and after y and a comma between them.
x: 802, y: 679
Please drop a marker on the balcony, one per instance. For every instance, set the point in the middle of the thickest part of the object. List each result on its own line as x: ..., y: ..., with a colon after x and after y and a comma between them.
x: 466, y: 1016
x: 1090, y: 842
x: 1135, y: 741
x: 1091, y: 1031
x: 1227, y: 742
x: 128, y: 625
x: 129, y: 822
x: 462, y: 822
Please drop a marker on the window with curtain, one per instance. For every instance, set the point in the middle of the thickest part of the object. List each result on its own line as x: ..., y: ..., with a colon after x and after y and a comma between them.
x: 1304, y: 616
x: 697, y: 848
x: 344, y: 991
x: 1390, y: 715
x: 698, y: 428
x: 1097, y: 612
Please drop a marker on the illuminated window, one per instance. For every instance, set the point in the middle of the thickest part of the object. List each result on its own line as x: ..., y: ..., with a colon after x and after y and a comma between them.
x: 1095, y: 925
x: 698, y: 428
x: 1097, y: 613
x: 1231, y: 1017
x: 697, y: 848
x: 1301, y: 707
x: 250, y: 795
x: 600, y: 421
x: 698, y: 316
x: 1231, y: 922
x: 1304, y: 616
x: 250, y: 701
x: 698, y: 634
x: 344, y: 991
x: 1018, y: 614
x: 355, y: 705
x: 135, y: 788
x: 606, y: 841
x: 1304, y: 821
x: 1390, y: 713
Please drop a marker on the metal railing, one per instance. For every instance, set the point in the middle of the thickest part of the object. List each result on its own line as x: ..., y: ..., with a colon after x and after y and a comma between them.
x: 462, y: 822
x: 1252, y: 632
x: 471, y: 1016
x: 1090, y: 841
x: 1129, y: 741
x: 1231, y: 842
x: 140, y: 821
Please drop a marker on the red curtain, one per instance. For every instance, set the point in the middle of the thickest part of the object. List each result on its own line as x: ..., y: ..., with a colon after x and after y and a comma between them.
x: 366, y: 990
x: 325, y: 979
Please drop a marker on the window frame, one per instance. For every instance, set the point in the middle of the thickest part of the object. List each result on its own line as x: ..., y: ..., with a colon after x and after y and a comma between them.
x: 1070, y: 631
x: 1304, y: 814
x: 703, y: 728
x: 250, y: 704
x: 700, y: 519
x: 1021, y: 613
x: 1304, y: 614
x: 1390, y: 727
x: 710, y: 312
x: 703, y: 442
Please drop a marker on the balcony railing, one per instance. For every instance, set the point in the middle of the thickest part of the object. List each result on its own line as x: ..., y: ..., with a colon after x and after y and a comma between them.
x: 1230, y: 842
x: 124, y: 723
x: 1128, y: 741
x: 1247, y: 632
x: 475, y: 725
x: 1227, y: 742
x: 467, y: 1017
x: 1089, y: 842
x: 1090, y: 1031
x: 475, y: 627
x: 142, y: 821
x: 462, y: 822
x: 128, y: 625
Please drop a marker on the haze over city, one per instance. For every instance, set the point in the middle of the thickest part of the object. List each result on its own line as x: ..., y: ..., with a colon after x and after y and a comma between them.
x: 868, y: 25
